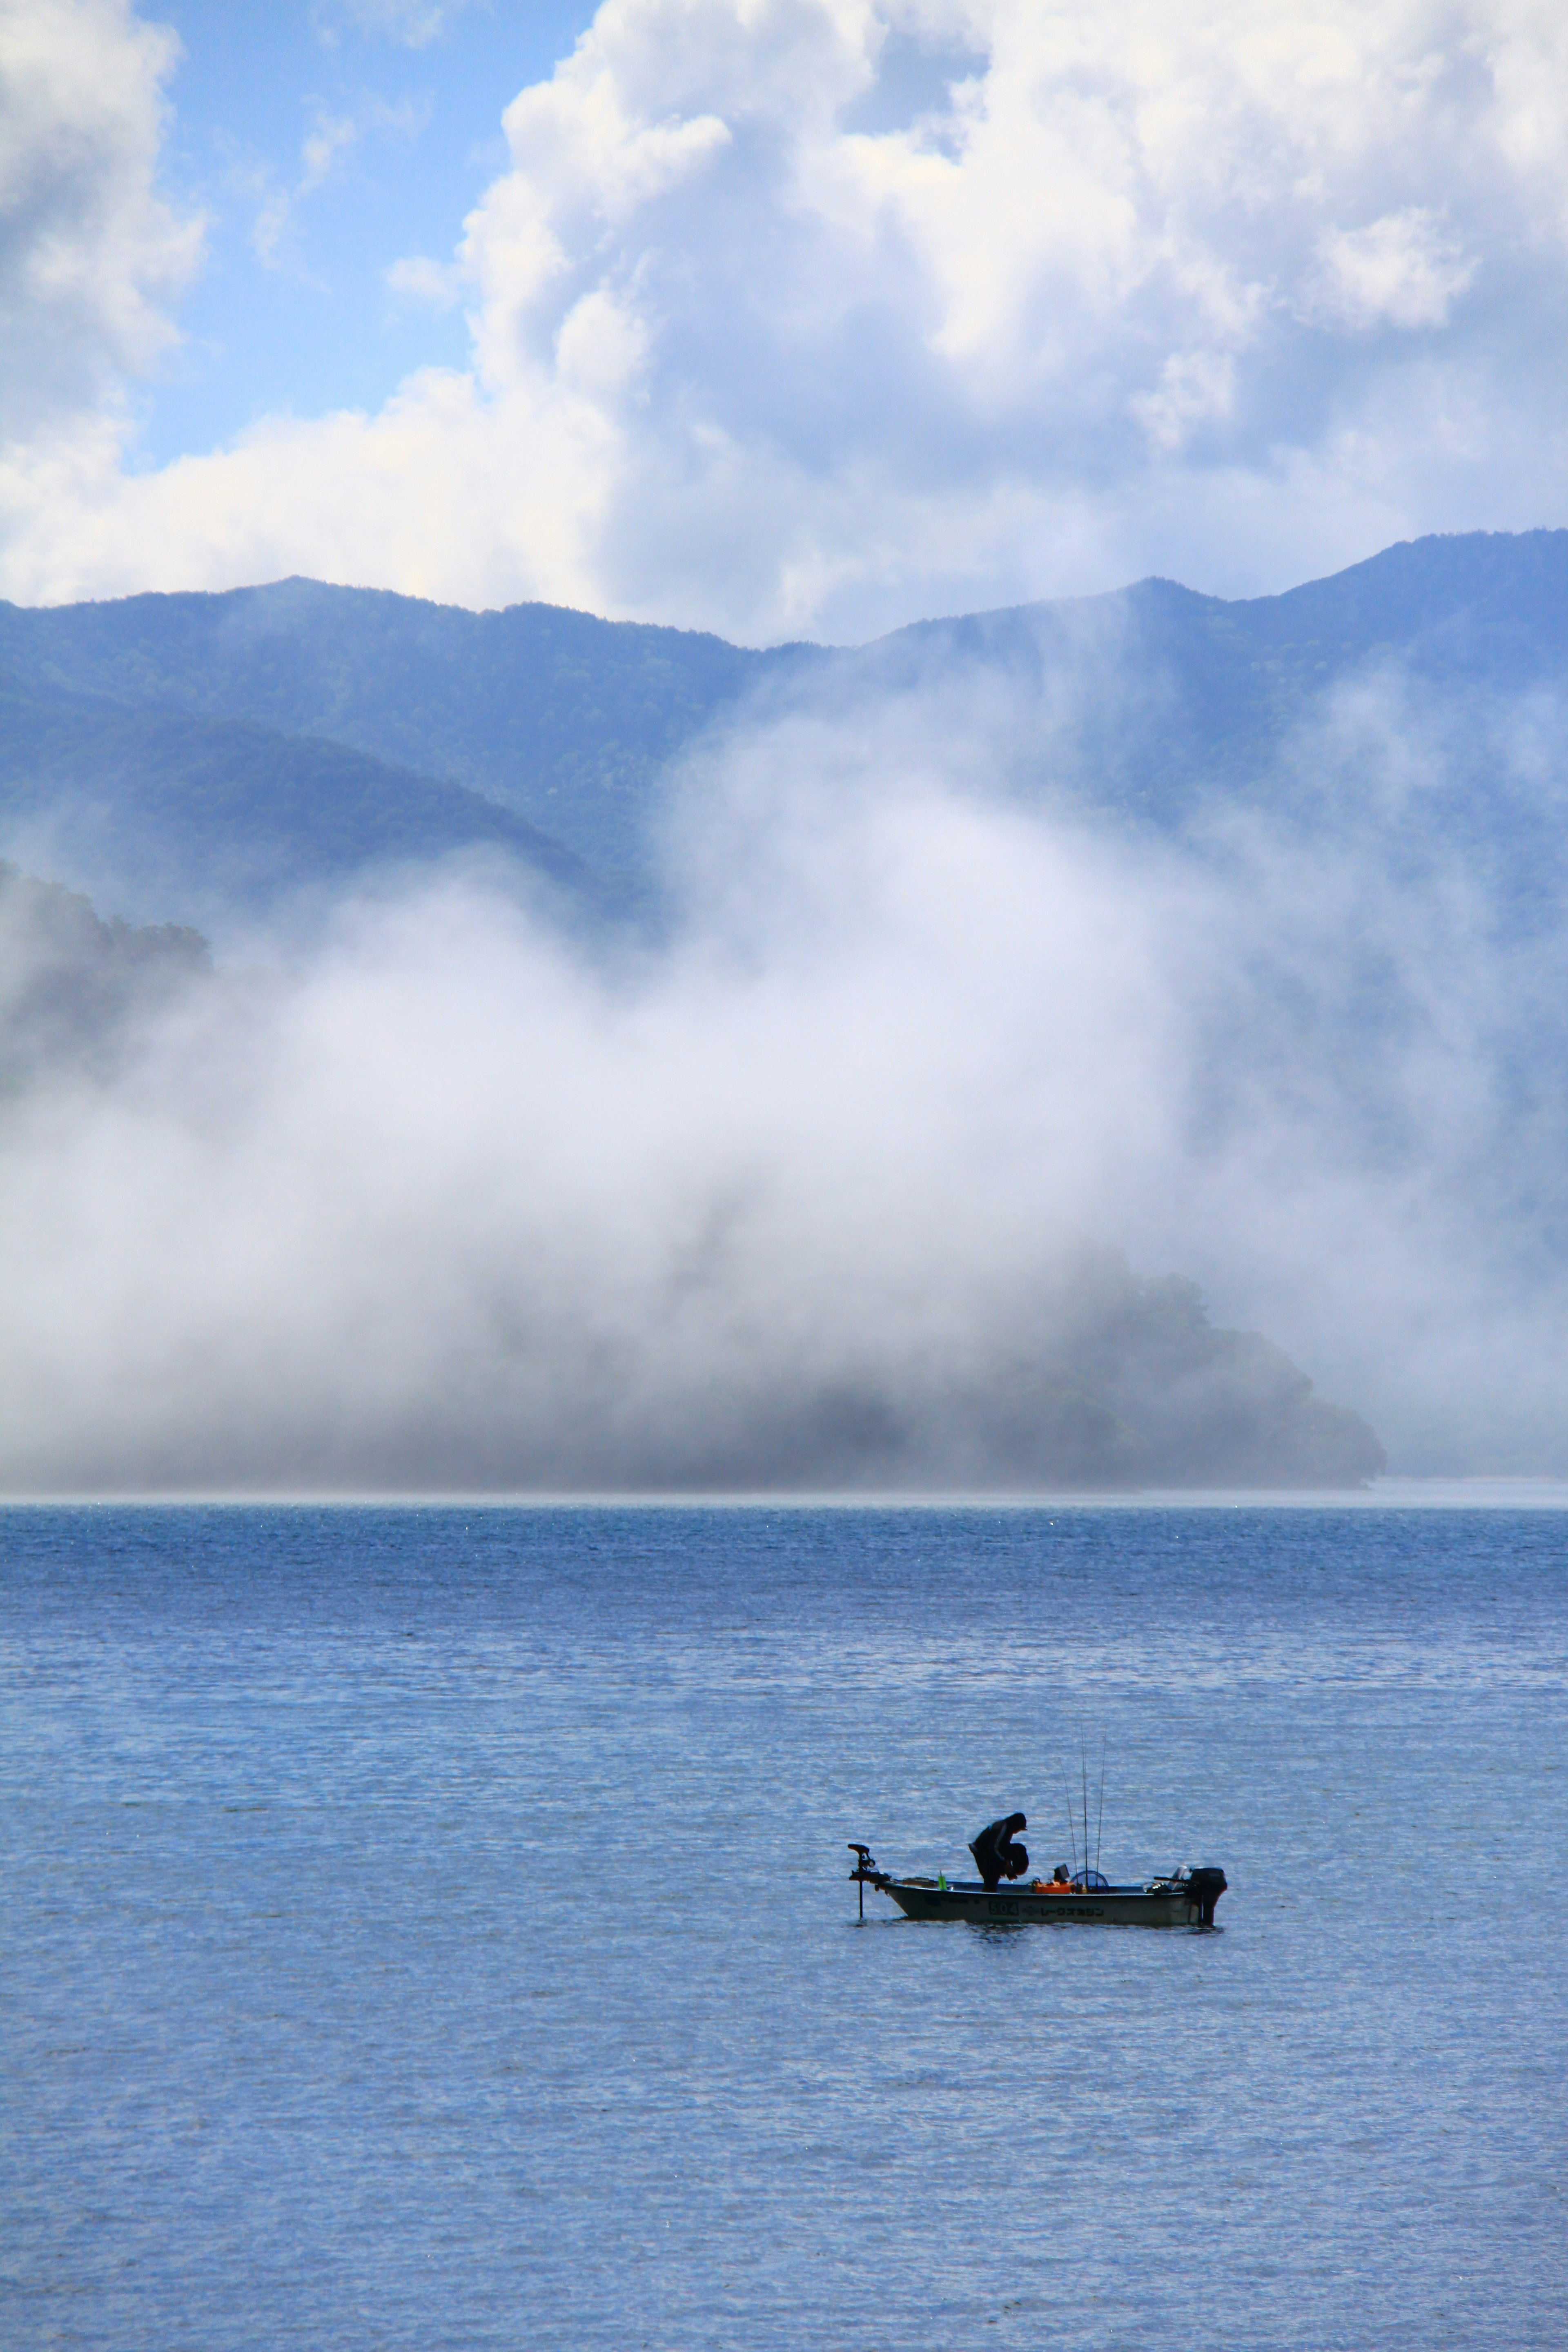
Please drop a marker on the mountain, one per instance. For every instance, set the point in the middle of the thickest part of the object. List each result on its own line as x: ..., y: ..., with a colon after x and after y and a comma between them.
x: 567, y: 722
x: 560, y: 719
x: 149, y: 806
x: 1190, y: 696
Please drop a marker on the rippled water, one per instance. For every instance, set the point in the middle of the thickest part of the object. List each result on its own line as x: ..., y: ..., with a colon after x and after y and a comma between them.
x: 430, y: 1928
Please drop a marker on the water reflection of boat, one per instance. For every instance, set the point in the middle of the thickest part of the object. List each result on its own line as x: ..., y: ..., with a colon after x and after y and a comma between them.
x: 1183, y: 1898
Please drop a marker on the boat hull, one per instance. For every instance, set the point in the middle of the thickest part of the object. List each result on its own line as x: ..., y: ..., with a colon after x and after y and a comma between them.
x: 1101, y: 1907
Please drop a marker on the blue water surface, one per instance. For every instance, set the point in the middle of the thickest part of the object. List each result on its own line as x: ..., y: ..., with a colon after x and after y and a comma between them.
x: 430, y: 1927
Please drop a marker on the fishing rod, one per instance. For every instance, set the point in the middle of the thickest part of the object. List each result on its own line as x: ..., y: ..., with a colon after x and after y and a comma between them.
x: 1100, y: 1825
x: 1083, y: 1763
x: 1072, y: 1833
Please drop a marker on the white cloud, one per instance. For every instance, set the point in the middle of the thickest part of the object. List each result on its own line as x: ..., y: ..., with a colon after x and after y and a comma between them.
x: 1404, y: 270
x: 813, y: 314
x: 327, y: 145
x: 413, y: 23
x: 1194, y: 386
x: 417, y: 278
x: 331, y: 137
x: 90, y: 254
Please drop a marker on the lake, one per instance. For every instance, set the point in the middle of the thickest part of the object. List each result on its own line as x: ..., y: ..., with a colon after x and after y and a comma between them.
x: 431, y: 1927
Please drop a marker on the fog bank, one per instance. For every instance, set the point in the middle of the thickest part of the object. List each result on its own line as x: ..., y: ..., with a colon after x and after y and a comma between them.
x: 873, y: 1170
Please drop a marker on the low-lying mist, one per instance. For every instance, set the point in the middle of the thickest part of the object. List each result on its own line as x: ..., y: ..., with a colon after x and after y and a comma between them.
x: 891, y: 1162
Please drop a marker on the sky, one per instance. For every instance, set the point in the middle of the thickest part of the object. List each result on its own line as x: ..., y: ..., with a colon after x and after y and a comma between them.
x: 773, y: 317
x: 321, y: 146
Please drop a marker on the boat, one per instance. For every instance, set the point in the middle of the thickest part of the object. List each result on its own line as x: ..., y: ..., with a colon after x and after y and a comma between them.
x: 1184, y: 1897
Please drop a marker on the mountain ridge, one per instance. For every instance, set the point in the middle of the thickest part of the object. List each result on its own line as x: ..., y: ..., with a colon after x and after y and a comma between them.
x: 568, y: 722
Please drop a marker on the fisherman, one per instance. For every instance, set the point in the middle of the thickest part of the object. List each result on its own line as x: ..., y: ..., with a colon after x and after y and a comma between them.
x: 996, y: 1853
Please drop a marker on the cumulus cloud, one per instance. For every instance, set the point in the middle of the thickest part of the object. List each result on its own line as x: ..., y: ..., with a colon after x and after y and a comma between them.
x: 828, y: 1184
x: 90, y: 256
x: 809, y: 315
x: 1402, y: 271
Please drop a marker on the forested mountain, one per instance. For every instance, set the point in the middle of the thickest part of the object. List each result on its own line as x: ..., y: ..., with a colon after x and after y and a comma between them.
x: 1184, y: 696
x: 1145, y: 700
x: 552, y: 716
x: 72, y: 984
x: 149, y: 806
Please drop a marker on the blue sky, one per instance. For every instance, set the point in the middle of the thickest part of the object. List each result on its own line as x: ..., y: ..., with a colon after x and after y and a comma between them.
x: 292, y: 311
x: 775, y: 317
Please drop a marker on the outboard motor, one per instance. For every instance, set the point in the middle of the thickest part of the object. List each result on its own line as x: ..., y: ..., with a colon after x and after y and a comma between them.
x: 1205, y: 1888
x: 997, y: 1855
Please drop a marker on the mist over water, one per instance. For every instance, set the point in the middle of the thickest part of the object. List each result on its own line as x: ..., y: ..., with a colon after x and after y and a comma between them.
x: 872, y: 1162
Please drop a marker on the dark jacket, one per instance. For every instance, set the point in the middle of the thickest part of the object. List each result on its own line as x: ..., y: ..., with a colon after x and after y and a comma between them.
x: 997, y: 1856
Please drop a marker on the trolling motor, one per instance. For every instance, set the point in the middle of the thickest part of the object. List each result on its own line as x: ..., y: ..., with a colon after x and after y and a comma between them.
x: 866, y: 1870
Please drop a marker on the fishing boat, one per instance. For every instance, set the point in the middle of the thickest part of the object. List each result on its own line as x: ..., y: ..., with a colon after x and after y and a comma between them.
x: 1184, y: 1898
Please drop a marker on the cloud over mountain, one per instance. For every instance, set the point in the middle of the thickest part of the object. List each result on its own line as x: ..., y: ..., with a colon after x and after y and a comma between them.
x: 869, y: 1164
x: 820, y: 313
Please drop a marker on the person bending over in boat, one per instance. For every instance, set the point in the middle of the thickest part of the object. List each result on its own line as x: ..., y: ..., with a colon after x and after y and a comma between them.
x: 996, y: 1853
